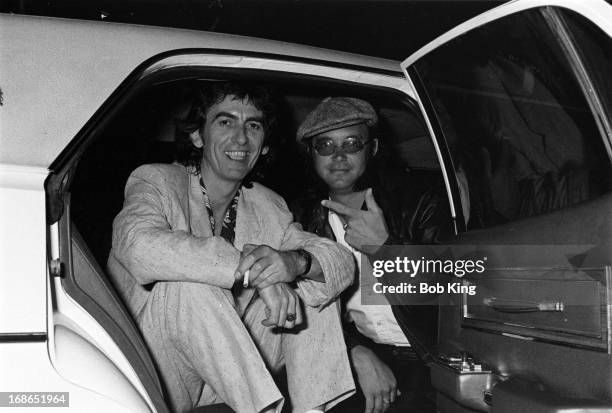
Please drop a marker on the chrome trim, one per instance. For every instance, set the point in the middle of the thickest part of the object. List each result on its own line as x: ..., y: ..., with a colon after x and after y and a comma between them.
x: 558, y: 26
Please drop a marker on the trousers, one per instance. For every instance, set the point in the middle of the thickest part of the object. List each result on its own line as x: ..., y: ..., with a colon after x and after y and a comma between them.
x: 208, y: 351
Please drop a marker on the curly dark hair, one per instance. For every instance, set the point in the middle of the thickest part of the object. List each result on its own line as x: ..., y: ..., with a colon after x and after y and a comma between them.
x: 260, y: 96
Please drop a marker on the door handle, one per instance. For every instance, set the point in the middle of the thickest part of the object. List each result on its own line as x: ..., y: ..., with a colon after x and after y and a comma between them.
x: 520, y: 306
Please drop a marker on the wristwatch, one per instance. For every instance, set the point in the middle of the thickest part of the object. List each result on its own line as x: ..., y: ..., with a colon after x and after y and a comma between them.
x: 308, y: 258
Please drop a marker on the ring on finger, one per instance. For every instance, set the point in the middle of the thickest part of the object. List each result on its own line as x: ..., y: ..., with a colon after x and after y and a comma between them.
x: 291, y: 317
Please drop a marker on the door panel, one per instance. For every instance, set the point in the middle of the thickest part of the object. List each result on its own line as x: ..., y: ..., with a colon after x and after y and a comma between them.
x: 579, y: 370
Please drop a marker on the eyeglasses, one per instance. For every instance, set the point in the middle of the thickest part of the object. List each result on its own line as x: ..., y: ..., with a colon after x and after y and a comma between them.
x: 327, y: 147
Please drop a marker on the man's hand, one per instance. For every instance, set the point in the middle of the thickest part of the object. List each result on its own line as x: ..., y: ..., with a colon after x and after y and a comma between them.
x: 281, y: 300
x: 268, y: 266
x: 375, y: 378
x: 362, y: 227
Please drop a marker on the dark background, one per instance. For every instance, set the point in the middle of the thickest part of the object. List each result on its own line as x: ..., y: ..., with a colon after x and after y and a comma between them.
x: 385, y: 28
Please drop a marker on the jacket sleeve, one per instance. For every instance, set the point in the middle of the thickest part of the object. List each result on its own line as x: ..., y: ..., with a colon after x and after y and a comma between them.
x: 431, y: 222
x: 418, y: 219
x: 337, y: 262
x: 145, y: 243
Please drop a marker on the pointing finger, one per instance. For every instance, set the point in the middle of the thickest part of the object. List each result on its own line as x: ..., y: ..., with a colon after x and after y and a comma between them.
x: 339, y: 208
x: 371, y: 202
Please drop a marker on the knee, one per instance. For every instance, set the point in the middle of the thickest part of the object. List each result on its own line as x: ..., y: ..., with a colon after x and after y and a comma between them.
x: 181, y: 307
x: 192, y: 296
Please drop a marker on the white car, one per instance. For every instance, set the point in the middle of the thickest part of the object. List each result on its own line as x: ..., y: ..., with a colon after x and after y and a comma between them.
x: 511, y: 110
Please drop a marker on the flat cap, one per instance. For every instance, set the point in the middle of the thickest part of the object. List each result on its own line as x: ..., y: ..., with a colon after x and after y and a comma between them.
x: 335, y: 113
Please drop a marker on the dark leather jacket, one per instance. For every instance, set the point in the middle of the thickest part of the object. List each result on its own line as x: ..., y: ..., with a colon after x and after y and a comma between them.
x: 416, y: 212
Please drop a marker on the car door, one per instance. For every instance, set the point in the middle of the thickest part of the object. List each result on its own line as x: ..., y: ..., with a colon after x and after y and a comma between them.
x: 519, y: 100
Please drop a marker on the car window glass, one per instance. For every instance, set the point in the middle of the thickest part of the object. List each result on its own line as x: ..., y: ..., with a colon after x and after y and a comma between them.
x: 522, y: 136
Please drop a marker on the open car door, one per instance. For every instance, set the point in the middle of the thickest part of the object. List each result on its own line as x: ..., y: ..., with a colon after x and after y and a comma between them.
x: 519, y: 100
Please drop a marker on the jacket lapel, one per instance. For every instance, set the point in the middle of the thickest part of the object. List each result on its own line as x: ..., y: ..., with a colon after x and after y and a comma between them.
x: 248, y: 225
x: 248, y: 231
x: 198, y: 217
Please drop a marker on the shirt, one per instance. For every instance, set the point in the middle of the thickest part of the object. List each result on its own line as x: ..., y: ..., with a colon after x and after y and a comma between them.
x: 228, y: 227
x: 376, y: 322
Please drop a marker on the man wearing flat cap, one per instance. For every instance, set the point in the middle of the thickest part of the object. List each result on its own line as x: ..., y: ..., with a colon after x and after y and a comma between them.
x: 352, y: 202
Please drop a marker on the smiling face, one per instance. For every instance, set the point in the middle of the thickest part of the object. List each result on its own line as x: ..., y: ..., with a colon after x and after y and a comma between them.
x: 341, y: 170
x: 231, y: 140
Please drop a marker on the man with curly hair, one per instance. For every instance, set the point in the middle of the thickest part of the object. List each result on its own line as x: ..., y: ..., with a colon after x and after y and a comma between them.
x: 225, y: 288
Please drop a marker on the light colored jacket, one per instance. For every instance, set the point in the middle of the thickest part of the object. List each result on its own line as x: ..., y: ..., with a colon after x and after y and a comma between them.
x: 163, y: 234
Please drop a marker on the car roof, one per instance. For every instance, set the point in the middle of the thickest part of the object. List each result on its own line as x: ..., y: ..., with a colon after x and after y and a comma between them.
x: 55, y: 73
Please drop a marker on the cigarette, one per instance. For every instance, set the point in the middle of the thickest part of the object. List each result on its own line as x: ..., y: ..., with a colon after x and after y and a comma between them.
x: 245, y: 280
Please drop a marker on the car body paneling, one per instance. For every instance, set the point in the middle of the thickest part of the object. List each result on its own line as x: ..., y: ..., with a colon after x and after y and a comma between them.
x: 56, y: 73
x: 22, y: 250
x: 26, y: 368
x: 73, y: 332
